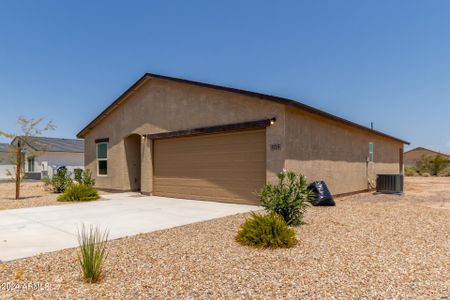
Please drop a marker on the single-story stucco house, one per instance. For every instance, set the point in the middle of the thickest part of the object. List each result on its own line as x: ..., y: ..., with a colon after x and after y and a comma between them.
x: 5, y: 163
x: 51, y: 154
x: 172, y: 137
x: 414, y: 155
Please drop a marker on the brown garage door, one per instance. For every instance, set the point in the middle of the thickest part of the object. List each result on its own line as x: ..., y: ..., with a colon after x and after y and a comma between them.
x: 227, y: 167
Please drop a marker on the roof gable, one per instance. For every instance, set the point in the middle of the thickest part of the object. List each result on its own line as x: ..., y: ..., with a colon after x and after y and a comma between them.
x: 429, y: 150
x: 122, y: 98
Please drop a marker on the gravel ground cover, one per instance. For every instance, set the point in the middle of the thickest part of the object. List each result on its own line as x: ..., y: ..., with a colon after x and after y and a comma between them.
x: 32, y: 194
x: 360, y: 249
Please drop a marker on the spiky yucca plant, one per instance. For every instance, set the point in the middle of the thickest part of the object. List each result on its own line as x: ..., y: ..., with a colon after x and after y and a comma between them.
x: 266, y: 231
x: 289, y: 198
x: 92, y: 252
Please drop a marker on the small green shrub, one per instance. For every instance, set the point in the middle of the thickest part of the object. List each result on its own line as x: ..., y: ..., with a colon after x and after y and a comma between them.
x: 78, y: 173
x: 289, y: 198
x: 92, y: 252
x: 445, y: 172
x: 79, y: 192
x: 434, y: 165
x: 87, y: 179
x: 411, y: 171
x: 47, y: 183
x: 437, y: 164
x: 59, y: 182
x: 266, y: 231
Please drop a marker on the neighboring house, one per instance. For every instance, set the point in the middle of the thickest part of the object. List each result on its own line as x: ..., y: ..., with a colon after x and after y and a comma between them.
x: 52, y: 153
x: 5, y: 163
x: 416, y: 154
x: 177, y: 138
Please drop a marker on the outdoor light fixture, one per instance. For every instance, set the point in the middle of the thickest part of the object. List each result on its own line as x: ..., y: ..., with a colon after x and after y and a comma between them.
x: 272, y: 121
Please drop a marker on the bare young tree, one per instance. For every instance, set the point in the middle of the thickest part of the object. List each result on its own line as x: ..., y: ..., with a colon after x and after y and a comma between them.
x: 28, y: 139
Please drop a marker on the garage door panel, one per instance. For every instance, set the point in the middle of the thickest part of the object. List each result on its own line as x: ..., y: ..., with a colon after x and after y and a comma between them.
x: 210, y: 183
x: 219, y: 156
x: 222, y: 170
x: 209, y: 193
x: 226, y: 140
x: 227, y: 167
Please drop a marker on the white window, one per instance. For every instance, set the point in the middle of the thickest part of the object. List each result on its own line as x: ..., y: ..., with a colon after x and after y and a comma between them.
x: 102, y: 159
x: 31, y: 164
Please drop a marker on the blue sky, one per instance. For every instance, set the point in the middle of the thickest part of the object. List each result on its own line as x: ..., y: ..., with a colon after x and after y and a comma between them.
x: 386, y: 62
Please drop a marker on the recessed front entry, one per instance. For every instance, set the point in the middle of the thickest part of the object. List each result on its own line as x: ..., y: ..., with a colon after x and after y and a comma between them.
x: 133, y: 156
x: 229, y: 167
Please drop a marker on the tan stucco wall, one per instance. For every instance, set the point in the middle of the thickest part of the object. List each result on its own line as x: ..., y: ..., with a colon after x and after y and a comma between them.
x: 161, y: 106
x: 411, y: 157
x: 315, y: 146
x: 324, y: 149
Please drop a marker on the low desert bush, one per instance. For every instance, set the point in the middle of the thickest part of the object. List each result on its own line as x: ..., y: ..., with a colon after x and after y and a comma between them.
x: 86, y: 178
x: 266, y: 231
x: 411, y: 171
x: 289, y: 198
x: 92, y: 252
x: 59, y: 182
x: 77, y: 175
x: 438, y: 164
x: 79, y: 192
x: 434, y: 165
x: 426, y: 174
x: 445, y: 172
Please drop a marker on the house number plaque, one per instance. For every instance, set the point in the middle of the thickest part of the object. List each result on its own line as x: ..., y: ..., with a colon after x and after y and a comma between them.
x: 275, y: 147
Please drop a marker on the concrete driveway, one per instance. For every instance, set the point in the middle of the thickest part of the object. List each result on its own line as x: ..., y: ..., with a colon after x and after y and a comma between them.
x: 29, y: 231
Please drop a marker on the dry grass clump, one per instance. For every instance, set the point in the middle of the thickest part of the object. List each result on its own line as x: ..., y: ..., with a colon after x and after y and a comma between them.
x: 266, y: 231
x: 92, y: 252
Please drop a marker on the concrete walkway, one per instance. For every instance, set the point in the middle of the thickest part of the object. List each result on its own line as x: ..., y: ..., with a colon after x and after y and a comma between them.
x: 29, y: 231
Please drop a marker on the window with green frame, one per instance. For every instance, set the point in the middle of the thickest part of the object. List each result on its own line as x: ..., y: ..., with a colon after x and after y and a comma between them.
x: 102, y: 159
x: 371, y: 152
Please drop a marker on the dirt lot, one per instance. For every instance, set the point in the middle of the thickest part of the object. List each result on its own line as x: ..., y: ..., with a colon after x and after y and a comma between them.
x: 419, y: 191
x: 367, y: 247
x: 32, y: 194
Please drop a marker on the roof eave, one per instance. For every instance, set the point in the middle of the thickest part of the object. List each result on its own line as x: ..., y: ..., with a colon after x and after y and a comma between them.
x: 280, y: 100
x: 113, y: 105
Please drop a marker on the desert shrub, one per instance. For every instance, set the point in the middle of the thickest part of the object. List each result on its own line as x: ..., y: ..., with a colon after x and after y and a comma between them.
x: 92, y: 252
x: 434, y: 165
x: 445, y: 172
x: 289, y: 198
x: 87, y: 179
x: 59, y: 182
x: 411, y: 171
x: 266, y: 231
x: 79, y: 192
x: 78, y: 173
x: 47, y: 182
x: 437, y: 164
x: 426, y: 174
x: 422, y: 165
